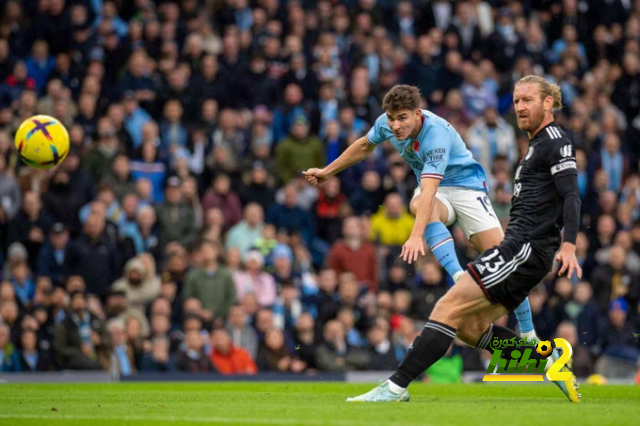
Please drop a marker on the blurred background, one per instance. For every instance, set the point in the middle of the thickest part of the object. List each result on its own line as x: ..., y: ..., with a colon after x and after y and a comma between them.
x: 179, y: 235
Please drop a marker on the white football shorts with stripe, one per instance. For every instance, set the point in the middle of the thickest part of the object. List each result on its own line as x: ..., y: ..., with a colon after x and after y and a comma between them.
x: 471, y: 208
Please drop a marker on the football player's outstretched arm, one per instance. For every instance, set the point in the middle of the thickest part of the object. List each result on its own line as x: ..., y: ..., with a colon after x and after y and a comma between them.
x: 354, y: 154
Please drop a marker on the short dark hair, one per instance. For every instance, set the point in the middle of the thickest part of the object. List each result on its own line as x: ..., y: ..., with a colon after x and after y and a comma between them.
x: 400, y: 97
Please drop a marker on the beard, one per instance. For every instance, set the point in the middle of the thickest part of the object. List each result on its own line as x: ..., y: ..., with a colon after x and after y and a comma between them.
x: 531, y: 123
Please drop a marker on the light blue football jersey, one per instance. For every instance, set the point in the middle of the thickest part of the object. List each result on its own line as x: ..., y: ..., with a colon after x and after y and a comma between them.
x: 437, y: 152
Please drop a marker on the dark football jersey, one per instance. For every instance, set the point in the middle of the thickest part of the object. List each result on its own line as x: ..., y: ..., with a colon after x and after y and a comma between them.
x: 537, y: 207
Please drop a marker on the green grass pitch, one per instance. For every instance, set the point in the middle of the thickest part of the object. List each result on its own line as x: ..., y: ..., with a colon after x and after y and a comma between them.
x: 227, y: 403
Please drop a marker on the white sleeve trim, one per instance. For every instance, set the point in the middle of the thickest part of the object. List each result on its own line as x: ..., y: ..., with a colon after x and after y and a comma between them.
x: 563, y: 166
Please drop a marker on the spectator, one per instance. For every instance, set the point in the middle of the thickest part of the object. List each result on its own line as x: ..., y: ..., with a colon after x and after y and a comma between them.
x: 99, y: 160
x: 242, y: 334
x: 23, y: 285
x: 333, y: 354
x: 221, y: 196
x: 123, y: 356
x: 9, y: 191
x: 141, y: 236
x: 94, y: 257
x: 227, y: 358
x: 274, y: 356
x: 613, y: 281
x: 254, y: 280
x: 491, y: 136
x: 151, y: 168
x: 290, y: 217
x: 193, y: 359
x: 354, y: 254
x: 31, y: 225
x: 431, y: 287
x: 211, y: 283
x: 139, y: 283
x: 391, y: 225
x: 383, y: 353
x: 244, y: 235
x: 52, y: 257
x: 298, y: 151
x: 328, y: 209
x: 81, y: 340
x: 158, y: 360
x: 175, y: 218
x: 618, y: 337
x: 366, y: 199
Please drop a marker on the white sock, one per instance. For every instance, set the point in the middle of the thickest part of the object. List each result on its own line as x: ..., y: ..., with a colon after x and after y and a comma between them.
x: 395, y: 388
x: 530, y: 335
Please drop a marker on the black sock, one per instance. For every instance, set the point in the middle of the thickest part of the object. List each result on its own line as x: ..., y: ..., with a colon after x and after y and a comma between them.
x: 504, y: 334
x: 431, y: 345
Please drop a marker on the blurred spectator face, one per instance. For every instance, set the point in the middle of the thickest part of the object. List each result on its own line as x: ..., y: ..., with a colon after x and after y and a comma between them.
x: 121, y: 167
x: 233, y: 259
x: 31, y: 204
x: 431, y: 275
x: 221, y: 341
x: 222, y: 184
x: 371, y: 181
x: 334, y: 332
x: 130, y: 205
x: 20, y: 271
x: 7, y: 293
x: 209, y: 253
x: 161, y: 307
x: 332, y: 187
x: 137, y: 64
x: 401, y: 301
x: 237, y: 316
x: 608, y: 202
x: 78, y: 303
x: 133, y: 328
x: 612, y: 143
x: 160, y: 325
x: 293, y: 94
x: 567, y: 331
x: 617, y: 317
x: 351, y: 229
x: 173, y: 111
x: 149, y: 151
x: 328, y: 281
x: 253, y: 214
x: 393, y: 204
x: 250, y: 304
x: 300, y: 130
x: 254, y: 262
x: 160, y: 349
x: 274, y: 340
x: 606, y: 226
x: 305, y: 323
x: 624, y: 240
x: 75, y: 283
x: 28, y: 341
x: 290, y: 196
x: 118, y: 336
x: 9, y: 312
x: 617, y: 258
x: 168, y: 290
x: 376, y: 336
x: 563, y: 288
x: 194, y: 340
x: 346, y: 318
x: 173, y: 195
x: 491, y: 117
x: 209, y: 110
x: 348, y: 291
x: 264, y: 320
x: 582, y: 292
x: 214, y: 218
x: 582, y: 244
x: 94, y: 226
x: 116, y: 305
x: 289, y: 293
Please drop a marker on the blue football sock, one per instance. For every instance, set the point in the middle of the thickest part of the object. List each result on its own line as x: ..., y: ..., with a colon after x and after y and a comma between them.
x: 523, y: 315
x: 441, y: 244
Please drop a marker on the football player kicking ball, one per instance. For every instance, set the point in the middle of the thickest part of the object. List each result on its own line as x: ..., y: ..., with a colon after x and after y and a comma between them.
x: 545, y: 199
x: 452, y: 185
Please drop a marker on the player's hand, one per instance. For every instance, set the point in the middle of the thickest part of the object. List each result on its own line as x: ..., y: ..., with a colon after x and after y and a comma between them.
x: 411, y: 249
x: 315, y: 176
x: 568, y: 261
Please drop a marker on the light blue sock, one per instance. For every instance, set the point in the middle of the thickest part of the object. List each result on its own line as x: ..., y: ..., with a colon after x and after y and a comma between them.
x: 523, y: 315
x: 440, y: 242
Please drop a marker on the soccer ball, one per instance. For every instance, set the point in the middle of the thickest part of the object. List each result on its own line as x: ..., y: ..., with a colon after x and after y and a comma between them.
x: 544, y: 348
x: 42, y: 142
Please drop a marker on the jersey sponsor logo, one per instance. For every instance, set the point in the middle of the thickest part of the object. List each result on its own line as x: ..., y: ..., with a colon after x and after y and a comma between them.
x: 566, y: 151
x: 554, y: 133
x: 563, y: 166
x: 529, y: 153
x: 436, y: 154
x: 416, y: 146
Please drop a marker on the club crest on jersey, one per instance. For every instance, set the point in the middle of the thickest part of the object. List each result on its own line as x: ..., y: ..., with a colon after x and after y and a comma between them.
x: 416, y: 146
x: 529, y: 153
x: 566, y: 150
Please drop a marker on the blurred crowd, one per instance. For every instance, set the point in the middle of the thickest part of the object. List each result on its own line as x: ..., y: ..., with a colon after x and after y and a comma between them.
x: 179, y: 235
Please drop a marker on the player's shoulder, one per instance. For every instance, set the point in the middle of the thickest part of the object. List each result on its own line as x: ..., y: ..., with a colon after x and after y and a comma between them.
x: 555, y: 138
x: 433, y: 120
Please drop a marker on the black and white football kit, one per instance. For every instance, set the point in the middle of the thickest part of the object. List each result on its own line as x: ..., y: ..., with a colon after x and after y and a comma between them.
x: 545, y: 199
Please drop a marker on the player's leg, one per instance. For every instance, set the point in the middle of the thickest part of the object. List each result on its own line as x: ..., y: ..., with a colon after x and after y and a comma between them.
x: 479, y: 222
x: 464, y: 299
x: 437, y: 235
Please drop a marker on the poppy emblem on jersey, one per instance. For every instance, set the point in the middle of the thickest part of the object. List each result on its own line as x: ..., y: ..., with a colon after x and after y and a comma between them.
x: 416, y: 146
x: 529, y: 154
